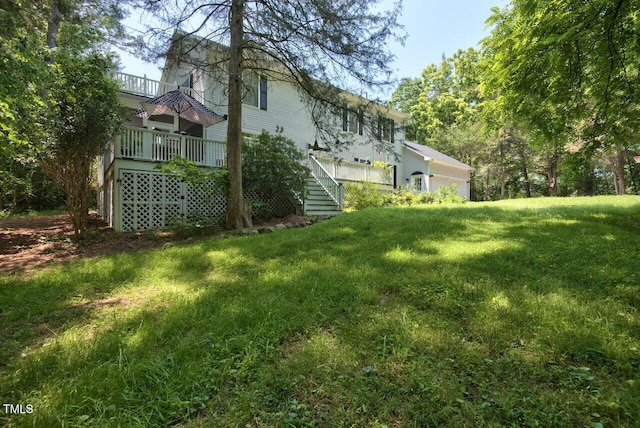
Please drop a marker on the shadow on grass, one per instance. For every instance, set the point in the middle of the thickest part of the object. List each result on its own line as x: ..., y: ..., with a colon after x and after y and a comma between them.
x: 374, y: 316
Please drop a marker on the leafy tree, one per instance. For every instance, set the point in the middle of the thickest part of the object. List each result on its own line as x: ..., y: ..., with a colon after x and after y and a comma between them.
x: 83, y: 115
x: 445, y: 106
x: 553, y: 64
x: 82, y: 25
x: 449, y: 95
x: 30, y: 33
x: 403, y: 99
x: 22, y: 75
x: 305, y: 42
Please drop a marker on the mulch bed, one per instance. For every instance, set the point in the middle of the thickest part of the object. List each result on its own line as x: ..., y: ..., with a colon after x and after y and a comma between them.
x: 32, y: 242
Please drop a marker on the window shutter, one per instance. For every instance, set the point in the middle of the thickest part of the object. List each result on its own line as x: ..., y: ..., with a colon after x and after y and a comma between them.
x: 379, y: 134
x: 263, y: 93
x: 345, y: 118
x: 360, y: 122
x: 392, y: 123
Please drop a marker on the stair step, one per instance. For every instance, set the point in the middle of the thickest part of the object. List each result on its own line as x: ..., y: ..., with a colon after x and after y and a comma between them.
x: 322, y: 213
x: 318, y: 202
x: 320, y: 199
x: 321, y: 208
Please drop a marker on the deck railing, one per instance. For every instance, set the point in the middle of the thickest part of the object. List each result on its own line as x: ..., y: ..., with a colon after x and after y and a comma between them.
x: 157, y: 146
x: 328, y: 183
x: 353, y: 171
x: 141, y: 85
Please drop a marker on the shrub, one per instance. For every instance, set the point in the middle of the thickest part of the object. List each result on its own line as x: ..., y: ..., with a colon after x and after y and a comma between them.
x: 271, y: 168
x: 405, y: 196
x: 449, y: 194
x: 362, y: 195
x: 368, y: 195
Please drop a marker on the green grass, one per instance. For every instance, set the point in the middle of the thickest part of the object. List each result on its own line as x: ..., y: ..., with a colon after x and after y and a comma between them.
x: 521, y: 313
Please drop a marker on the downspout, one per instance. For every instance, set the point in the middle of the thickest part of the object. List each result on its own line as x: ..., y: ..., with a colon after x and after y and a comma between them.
x: 395, y: 176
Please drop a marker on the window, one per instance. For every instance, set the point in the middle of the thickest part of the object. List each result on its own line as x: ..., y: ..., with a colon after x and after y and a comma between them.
x: 417, y: 183
x: 255, y: 87
x: 188, y: 82
x: 386, y: 129
x: 352, y: 120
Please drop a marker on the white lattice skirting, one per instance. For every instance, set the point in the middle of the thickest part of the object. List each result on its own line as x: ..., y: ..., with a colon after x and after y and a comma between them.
x: 153, y: 200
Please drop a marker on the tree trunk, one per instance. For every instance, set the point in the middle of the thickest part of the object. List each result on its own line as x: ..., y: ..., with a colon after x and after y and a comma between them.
x: 234, y: 123
x: 616, y: 163
x: 76, y: 180
x: 523, y: 164
x: 589, y: 185
x: 552, y: 172
x: 487, y: 194
x: 620, y: 164
x: 502, y: 170
x: 246, y: 214
x: 612, y: 165
x: 53, y: 26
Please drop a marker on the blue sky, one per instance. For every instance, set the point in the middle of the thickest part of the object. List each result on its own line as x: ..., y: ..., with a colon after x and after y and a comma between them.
x: 434, y: 28
x: 437, y: 27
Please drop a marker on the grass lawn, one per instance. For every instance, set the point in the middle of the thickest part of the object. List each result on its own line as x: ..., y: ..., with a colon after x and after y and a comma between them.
x: 519, y: 313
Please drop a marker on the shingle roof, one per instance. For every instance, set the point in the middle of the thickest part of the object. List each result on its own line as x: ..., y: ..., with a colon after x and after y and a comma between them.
x: 435, y: 155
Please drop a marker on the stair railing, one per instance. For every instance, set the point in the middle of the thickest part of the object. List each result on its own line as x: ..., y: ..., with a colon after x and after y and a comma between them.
x: 326, y: 181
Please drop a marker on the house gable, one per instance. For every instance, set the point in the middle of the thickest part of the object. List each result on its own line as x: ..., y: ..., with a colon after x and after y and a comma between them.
x: 438, y: 169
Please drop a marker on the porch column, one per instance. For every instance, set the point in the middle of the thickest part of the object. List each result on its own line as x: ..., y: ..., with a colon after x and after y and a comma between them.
x: 147, y: 145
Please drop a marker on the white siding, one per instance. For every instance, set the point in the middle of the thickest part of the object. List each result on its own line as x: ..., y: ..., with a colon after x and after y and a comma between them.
x: 285, y: 109
x: 445, y: 175
x: 412, y: 162
x: 437, y: 174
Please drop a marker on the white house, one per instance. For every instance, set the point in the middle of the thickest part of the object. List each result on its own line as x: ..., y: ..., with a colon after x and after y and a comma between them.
x: 134, y: 195
x: 426, y: 170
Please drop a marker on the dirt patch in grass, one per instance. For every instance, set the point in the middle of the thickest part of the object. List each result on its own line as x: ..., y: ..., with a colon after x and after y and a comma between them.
x: 31, y: 242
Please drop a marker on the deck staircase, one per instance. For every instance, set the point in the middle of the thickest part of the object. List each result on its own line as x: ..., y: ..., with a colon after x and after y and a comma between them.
x: 318, y: 202
x: 324, y: 193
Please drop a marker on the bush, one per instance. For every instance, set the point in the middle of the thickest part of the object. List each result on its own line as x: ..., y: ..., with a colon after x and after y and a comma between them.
x: 449, y: 195
x: 272, y: 177
x: 361, y: 195
x: 404, y: 196
x: 368, y: 195
x: 271, y: 170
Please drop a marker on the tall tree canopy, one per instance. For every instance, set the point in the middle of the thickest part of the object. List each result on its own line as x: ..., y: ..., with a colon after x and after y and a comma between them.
x: 317, y: 45
x: 30, y: 35
x: 569, y: 69
x: 445, y: 105
x: 449, y: 95
x: 23, y: 72
x: 53, y: 98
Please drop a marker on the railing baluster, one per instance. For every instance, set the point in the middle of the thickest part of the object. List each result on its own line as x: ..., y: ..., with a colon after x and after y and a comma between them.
x: 141, y: 85
x: 353, y: 171
x: 155, y: 146
x: 328, y: 183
